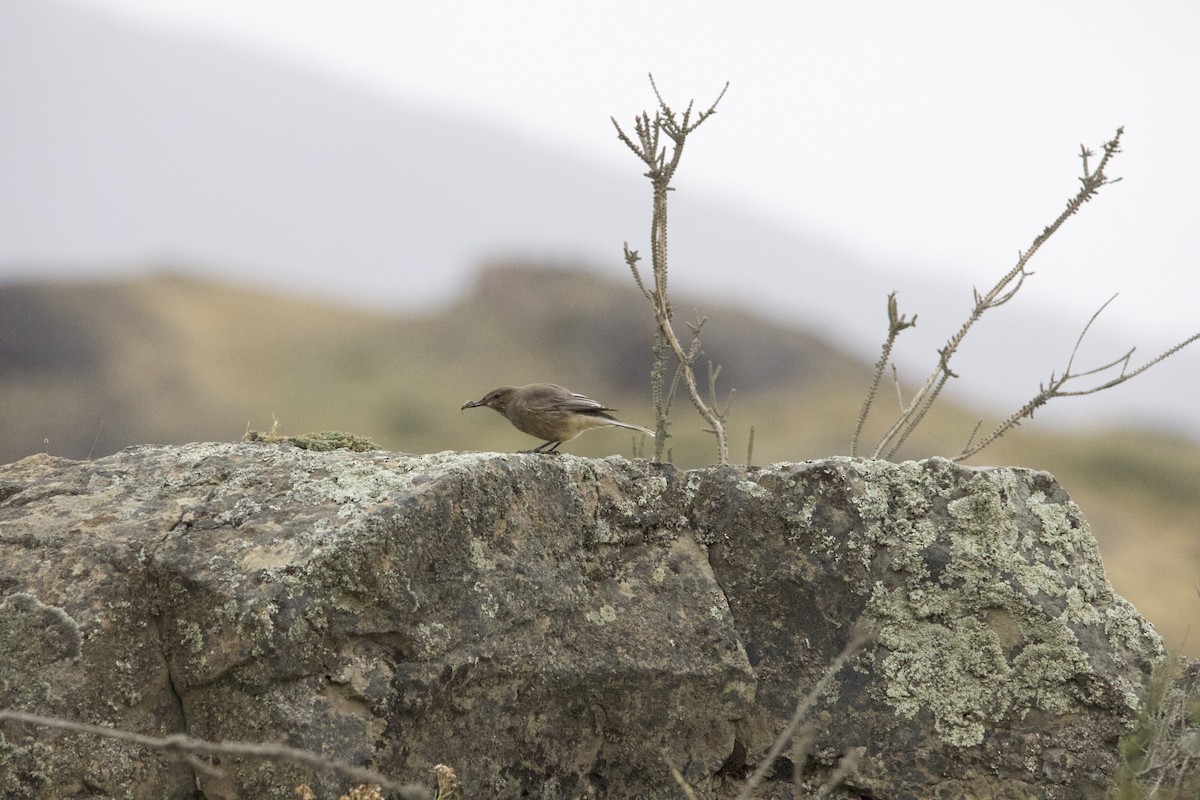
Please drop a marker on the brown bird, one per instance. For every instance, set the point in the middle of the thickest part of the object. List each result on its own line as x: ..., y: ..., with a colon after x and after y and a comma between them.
x: 551, y: 412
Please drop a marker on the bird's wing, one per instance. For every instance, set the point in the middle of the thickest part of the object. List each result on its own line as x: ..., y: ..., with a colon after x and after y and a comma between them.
x: 576, y: 402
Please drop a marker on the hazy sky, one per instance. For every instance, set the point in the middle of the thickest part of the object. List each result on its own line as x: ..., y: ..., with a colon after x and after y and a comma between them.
x: 940, y: 136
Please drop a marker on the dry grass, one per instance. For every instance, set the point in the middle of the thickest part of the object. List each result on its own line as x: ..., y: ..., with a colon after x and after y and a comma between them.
x: 1161, y: 756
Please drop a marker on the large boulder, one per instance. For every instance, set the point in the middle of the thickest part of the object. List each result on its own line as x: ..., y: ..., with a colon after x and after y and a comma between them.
x: 552, y: 626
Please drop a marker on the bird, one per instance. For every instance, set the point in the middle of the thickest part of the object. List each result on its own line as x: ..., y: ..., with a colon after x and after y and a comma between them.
x: 551, y: 412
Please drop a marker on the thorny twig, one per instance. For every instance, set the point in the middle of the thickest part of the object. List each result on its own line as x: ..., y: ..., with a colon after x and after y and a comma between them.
x: 1055, y: 386
x: 998, y: 295
x: 912, y: 414
x: 896, y: 324
x: 653, y: 152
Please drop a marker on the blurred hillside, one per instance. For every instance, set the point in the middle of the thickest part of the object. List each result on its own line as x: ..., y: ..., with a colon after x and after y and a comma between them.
x: 89, y: 368
x: 123, y: 144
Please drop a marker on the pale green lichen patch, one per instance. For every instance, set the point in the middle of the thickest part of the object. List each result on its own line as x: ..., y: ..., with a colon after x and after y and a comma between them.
x: 480, y: 559
x: 605, y: 616
x: 752, y: 488
x: 948, y: 668
x: 351, y: 484
x: 962, y: 670
x: 1080, y: 607
x: 978, y: 615
x: 320, y: 441
x: 1057, y: 532
x: 1129, y: 630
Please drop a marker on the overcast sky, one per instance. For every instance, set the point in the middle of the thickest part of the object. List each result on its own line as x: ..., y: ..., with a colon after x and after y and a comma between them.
x: 938, y: 136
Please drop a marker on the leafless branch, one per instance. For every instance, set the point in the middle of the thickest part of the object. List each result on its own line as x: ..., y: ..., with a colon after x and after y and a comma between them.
x: 914, y: 412
x: 896, y: 324
x: 846, y: 765
x: 188, y: 748
x: 684, y: 786
x: 862, y: 636
x: 661, y: 162
x: 1056, y: 386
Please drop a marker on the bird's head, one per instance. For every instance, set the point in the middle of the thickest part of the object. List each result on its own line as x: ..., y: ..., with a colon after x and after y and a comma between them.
x: 496, y: 398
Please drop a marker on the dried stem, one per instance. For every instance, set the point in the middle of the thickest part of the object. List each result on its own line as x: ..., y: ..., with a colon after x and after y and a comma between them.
x: 661, y: 162
x: 846, y: 766
x: 681, y: 781
x: 896, y: 324
x: 189, y: 748
x: 1004, y: 290
x: 1056, y: 386
x: 862, y: 636
x: 659, y: 399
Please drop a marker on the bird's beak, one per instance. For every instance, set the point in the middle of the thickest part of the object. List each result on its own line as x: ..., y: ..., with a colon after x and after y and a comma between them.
x: 472, y: 404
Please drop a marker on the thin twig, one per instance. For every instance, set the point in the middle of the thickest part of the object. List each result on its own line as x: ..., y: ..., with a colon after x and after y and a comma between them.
x: 896, y: 324
x: 802, y: 744
x: 846, y: 765
x: 862, y: 635
x: 187, y: 747
x: 660, y: 170
x: 1056, y: 386
x: 95, y: 441
x: 1003, y: 291
x: 684, y: 786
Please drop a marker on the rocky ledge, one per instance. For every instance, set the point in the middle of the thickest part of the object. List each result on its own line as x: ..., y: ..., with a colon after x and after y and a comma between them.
x: 555, y: 626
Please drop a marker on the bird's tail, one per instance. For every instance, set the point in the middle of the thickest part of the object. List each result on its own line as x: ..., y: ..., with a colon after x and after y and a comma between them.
x: 631, y: 427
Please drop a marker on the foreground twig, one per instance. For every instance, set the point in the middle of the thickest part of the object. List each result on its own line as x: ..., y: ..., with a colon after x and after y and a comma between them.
x: 846, y: 766
x: 863, y: 634
x: 1162, y: 752
x: 187, y: 748
x: 681, y: 781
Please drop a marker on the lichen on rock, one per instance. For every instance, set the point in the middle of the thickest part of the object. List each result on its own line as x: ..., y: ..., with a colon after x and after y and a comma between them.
x: 555, y: 625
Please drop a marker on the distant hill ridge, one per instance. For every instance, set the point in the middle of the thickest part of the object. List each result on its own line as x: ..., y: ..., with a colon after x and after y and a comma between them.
x: 164, y: 357
x: 87, y: 368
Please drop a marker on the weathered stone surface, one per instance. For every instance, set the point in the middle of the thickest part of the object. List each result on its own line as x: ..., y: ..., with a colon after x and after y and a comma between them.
x: 555, y: 626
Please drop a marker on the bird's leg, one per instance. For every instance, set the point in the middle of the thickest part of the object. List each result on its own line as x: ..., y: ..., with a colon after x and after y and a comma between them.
x: 541, y: 448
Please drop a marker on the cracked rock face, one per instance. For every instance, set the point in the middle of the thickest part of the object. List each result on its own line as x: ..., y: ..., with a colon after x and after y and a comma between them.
x: 555, y: 626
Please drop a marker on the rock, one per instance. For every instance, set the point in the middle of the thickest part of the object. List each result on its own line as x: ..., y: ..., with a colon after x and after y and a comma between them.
x: 555, y: 626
